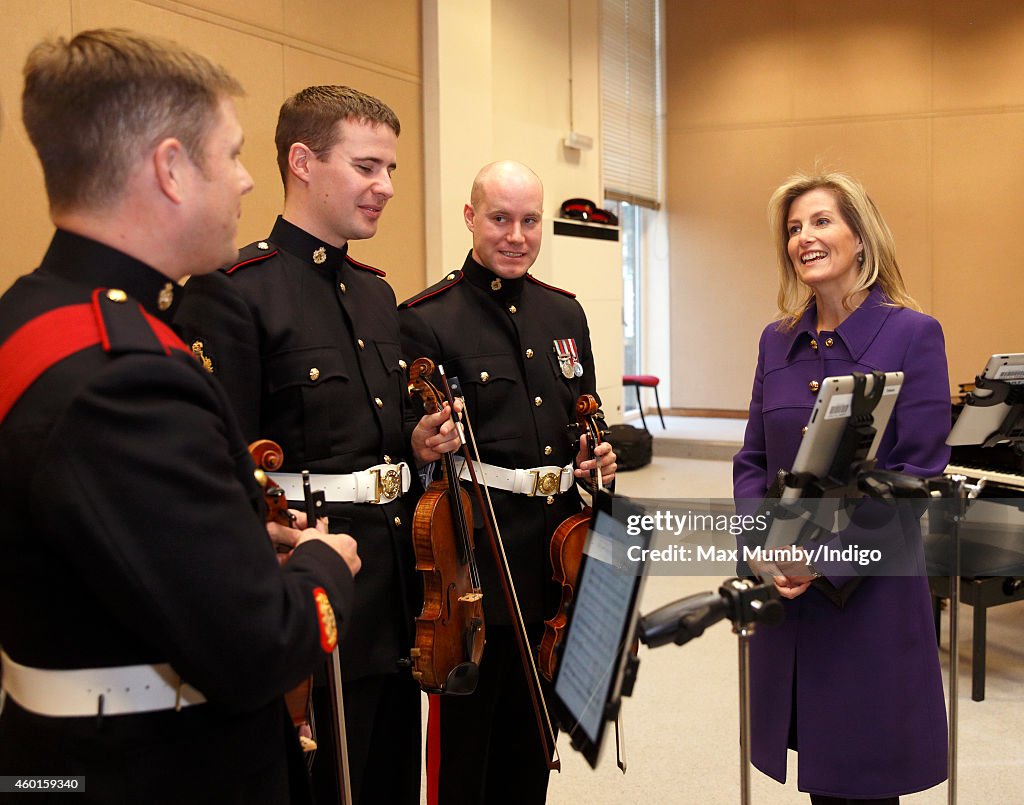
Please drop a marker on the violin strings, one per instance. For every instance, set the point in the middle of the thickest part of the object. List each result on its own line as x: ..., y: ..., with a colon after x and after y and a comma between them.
x: 508, y: 572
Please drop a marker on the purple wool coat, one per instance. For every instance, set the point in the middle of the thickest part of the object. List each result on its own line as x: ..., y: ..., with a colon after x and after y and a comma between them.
x: 857, y: 690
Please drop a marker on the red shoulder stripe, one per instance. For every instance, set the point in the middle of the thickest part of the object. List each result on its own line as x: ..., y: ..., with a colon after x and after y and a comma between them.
x: 39, y: 344
x: 431, y: 294
x: 57, y: 334
x: 250, y: 261
x: 536, y: 281
x: 365, y: 267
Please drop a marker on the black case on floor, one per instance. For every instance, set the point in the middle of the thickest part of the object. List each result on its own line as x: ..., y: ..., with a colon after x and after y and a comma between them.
x: 633, y: 446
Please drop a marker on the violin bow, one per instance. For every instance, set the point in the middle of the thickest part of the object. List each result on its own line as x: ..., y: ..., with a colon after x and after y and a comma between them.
x: 316, y: 508
x: 540, y: 710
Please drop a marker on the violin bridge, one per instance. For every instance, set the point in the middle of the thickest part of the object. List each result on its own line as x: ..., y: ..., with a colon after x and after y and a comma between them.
x: 470, y: 598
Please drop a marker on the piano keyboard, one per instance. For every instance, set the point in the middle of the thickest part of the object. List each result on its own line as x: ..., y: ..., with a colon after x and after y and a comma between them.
x: 990, y: 476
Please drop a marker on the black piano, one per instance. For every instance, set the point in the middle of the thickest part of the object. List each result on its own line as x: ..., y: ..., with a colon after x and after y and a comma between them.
x: 991, y: 538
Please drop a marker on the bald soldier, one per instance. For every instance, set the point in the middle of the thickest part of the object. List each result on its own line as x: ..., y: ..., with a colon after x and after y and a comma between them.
x: 521, y: 350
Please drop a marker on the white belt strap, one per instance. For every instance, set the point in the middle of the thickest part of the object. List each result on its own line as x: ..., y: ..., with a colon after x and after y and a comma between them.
x: 125, y: 689
x: 381, y: 483
x: 532, y: 481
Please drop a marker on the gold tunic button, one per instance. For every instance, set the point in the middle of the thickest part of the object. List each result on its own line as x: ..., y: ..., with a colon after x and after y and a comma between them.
x: 814, y: 385
x: 314, y: 374
x: 814, y: 344
x: 803, y: 430
x: 117, y: 295
x: 342, y: 288
x: 484, y: 377
x: 378, y: 402
x: 547, y: 450
x: 551, y: 500
x: 398, y: 521
x: 529, y: 353
x: 362, y: 345
x: 538, y: 401
x: 828, y: 342
x: 450, y: 277
x: 512, y: 309
x: 402, y: 364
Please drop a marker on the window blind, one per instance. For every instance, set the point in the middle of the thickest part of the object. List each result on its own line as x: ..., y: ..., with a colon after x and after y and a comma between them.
x: 631, y: 101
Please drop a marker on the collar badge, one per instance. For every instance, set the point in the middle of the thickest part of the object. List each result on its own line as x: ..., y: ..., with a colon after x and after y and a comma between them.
x: 197, y: 350
x: 165, y: 297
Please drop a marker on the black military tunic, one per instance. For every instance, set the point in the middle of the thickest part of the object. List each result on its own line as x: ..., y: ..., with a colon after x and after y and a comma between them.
x: 498, y: 337
x: 306, y: 343
x: 134, y: 536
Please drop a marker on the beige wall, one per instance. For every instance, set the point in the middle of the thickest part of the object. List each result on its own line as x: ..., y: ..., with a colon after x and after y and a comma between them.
x: 274, y: 47
x: 923, y: 101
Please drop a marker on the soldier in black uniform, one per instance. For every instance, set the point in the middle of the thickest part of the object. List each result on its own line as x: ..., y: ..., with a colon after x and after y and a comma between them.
x: 148, y: 632
x: 307, y: 344
x: 521, y: 351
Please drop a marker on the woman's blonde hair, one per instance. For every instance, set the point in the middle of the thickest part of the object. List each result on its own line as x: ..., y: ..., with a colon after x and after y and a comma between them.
x: 862, y: 216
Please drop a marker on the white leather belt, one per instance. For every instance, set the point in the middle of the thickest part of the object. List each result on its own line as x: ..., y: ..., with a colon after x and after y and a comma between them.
x: 381, y: 483
x: 532, y: 482
x: 125, y: 689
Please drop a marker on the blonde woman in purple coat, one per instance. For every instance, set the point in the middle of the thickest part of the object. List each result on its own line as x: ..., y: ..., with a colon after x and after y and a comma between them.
x: 851, y: 681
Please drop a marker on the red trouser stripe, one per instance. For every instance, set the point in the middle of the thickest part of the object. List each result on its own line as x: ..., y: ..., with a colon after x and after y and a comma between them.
x: 433, y: 748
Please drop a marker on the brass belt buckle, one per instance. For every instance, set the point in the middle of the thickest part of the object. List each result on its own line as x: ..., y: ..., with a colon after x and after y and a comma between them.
x: 388, y: 485
x: 546, y: 484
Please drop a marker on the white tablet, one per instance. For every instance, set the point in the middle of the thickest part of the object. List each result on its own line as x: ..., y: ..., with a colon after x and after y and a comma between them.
x: 825, y: 429
x: 978, y: 421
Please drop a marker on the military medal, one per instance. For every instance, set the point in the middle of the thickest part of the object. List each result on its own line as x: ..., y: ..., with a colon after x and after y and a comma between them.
x: 568, y: 358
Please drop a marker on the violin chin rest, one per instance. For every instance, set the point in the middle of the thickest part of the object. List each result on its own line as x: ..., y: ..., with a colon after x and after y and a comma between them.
x: 462, y: 679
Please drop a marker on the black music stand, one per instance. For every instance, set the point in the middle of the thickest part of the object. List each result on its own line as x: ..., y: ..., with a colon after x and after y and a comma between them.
x: 743, y: 602
x: 955, y: 496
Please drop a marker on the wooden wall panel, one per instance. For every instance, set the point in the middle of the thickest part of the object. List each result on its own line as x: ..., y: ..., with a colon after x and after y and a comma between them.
x: 922, y: 101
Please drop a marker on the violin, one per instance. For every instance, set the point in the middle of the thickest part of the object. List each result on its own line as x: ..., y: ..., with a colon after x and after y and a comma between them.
x: 566, y: 549
x: 269, y: 456
x: 482, y: 495
x: 450, y: 628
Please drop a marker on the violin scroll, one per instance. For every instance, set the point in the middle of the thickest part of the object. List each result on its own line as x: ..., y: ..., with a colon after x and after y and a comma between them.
x: 269, y: 456
x: 420, y: 372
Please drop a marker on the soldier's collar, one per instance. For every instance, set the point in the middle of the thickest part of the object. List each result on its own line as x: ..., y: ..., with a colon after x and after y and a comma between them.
x: 488, y: 281
x: 300, y: 243
x: 87, y: 261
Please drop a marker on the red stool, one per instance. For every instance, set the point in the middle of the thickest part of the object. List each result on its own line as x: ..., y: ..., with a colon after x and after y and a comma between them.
x: 649, y: 381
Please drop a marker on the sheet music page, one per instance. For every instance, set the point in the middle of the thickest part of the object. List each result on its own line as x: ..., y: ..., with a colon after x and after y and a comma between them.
x: 594, y: 643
